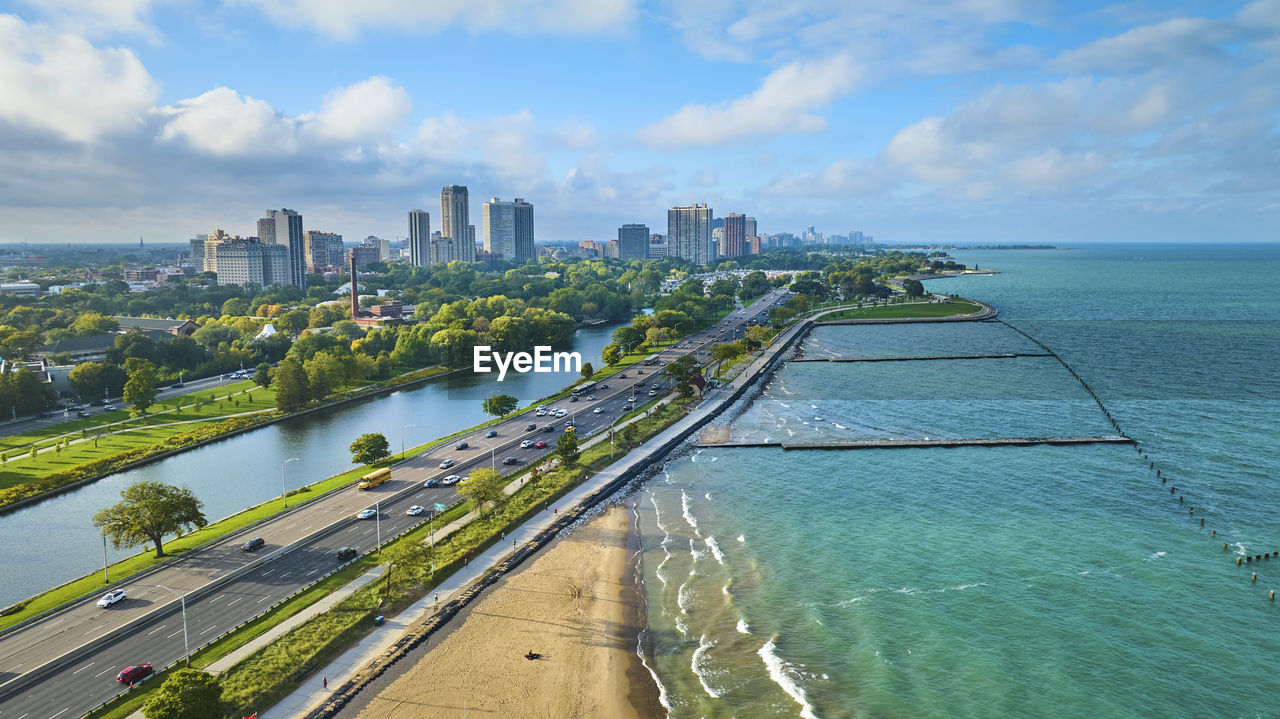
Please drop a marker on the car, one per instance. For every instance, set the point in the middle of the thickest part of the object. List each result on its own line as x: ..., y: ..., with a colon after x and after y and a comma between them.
x: 446, y: 464
x: 109, y: 407
x: 639, y: 371
x: 367, y: 514
x: 542, y: 408
x: 628, y: 406
x: 561, y: 412
x: 591, y: 398
x: 540, y: 445
x: 82, y: 413
x: 530, y: 427
x: 433, y: 482
x: 461, y: 445
x: 640, y: 383
x: 111, y: 597
x: 653, y: 393
x: 622, y: 375
x: 603, y: 386
x: 133, y: 674
x: 253, y: 544
x: 540, y: 413
x: 598, y: 410
x: 510, y: 460
x: 549, y: 428
x: 97, y: 403
x: 491, y: 433
x: 346, y: 553
x: 451, y: 480
x: 632, y: 399
x: 526, y: 444
x: 573, y: 398
x: 415, y: 510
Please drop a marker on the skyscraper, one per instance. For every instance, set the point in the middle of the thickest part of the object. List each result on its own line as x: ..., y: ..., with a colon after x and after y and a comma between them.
x: 751, y: 227
x: 633, y: 242
x: 419, y: 238
x: 454, y: 218
x: 689, y: 233
x: 324, y: 249
x: 507, y: 228
x: 735, y: 235
x: 284, y: 227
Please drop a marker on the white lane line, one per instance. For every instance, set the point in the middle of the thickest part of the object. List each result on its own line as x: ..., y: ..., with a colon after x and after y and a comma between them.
x: 210, y: 629
x: 233, y: 603
x: 260, y: 601
x: 268, y: 572
x: 95, y: 676
x: 220, y: 596
x: 64, y: 711
x: 153, y: 631
x: 171, y: 636
x: 84, y: 667
x: 313, y: 571
x: 282, y: 576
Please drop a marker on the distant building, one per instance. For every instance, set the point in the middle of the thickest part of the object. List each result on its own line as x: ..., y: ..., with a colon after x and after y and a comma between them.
x: 209, y: 258
x: 508, y: 229
x: 419, y: 238
x: 735, y: 235
x: 383, y: 246
x: 441, y: 250
x: 145, y: 274
x: 20, y: 289
x: 750, y: 228
x: 689, y: 233
x: 323, y: 249
x: 173, y: 327
x: 284, y: 228
x: 454, y: 222
x: 753, y: 245
x: 657, y: 246
x: 633, y: 242
x: 363, y: 255
x: 613, y: 250
x: 246, y: 261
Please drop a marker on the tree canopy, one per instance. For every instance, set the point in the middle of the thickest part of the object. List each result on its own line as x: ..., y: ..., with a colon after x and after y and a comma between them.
x: 369, y: 448
x: 150, y: 511
x: 186, y: 694
x: 484, y: 489
x: 500, y: 404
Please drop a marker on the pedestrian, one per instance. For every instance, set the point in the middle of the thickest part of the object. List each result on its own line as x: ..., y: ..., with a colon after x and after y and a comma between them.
x: 324, y: 681
x: 513, y: 543
x: 556, y: 510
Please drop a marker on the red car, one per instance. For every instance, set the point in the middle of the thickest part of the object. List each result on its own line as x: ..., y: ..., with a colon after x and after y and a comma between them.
x: 541, y: 445
x: 134, y: 674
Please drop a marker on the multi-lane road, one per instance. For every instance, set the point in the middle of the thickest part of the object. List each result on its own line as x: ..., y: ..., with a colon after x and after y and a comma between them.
x: 65, y: 664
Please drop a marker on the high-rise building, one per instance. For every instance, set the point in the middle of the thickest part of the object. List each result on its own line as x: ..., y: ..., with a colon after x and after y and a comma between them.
x: 507, y: 228
x: 211, y: 242
x: 689, y: 233
x: 657, y: 245
x: 454, y: 219
x: 383, y: 247
x: 471, y: 239
x: 419, y: 238
x: 441, y: 251
x: 195, y: 255
x: 284, y: 227
x: 246, y: 261
x: 323, y: 249
x: 735, y: 235
x: 753, y: 245
x: 751, y: 227
x: 362, y: 255
x: 633, y: 242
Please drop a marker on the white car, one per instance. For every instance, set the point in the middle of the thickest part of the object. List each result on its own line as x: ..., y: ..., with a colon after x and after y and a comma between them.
x: 598, y: 410
x: 653, y: 393
x: 591, y: 397
x: 526, y: 444
x: 415, y: 510
x: 367, y: 514
x: 111, y: 597
x: 446, y: 464
x: 451, y: 480
x: 109, y: 407
x: 541, y: 413
x: 542, y: 408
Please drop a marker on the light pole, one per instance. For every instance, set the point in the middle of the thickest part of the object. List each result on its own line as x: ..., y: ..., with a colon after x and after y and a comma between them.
x: 402, y: 429
x: 106, y: 575
x: 284, y: 494
x: 183, y: 597
x: 377, y: 522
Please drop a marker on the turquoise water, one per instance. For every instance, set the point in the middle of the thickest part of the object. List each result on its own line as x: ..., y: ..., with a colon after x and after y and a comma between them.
x: 994, y: 582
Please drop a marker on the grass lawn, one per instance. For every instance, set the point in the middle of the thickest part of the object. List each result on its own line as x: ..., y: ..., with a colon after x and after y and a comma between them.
x: 923, y: 309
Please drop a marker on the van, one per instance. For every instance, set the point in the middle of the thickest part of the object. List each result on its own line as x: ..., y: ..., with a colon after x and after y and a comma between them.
x: 253, y: 544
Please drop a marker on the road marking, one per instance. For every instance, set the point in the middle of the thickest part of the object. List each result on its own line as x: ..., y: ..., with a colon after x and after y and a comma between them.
x: 64, y: 711
x: 220, y: 596
x: 153, y: 631
x: 171, y: 636
x: 313, y: 571
x: 95, y: 676
x: 268, y: 572
x: 282, y: 576
x: 210, y: 629
x: 83, y: 667
x: 233, y: 603
x: 260, y: 601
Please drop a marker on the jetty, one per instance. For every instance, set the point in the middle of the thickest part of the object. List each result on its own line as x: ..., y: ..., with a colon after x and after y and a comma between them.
x: 920, y: 443
x: 1007, y: 355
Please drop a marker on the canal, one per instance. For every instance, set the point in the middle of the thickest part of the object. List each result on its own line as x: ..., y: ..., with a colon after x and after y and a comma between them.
x: 54, y: 541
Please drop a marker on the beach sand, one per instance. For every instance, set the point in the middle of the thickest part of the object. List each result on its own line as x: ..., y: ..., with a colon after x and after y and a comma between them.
x: 573, y: 604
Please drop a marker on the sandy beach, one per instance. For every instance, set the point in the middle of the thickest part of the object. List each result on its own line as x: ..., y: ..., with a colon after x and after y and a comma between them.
x: 573, y: 606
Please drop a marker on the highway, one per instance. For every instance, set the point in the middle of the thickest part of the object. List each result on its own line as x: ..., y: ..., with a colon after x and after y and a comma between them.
x: 79, y: 669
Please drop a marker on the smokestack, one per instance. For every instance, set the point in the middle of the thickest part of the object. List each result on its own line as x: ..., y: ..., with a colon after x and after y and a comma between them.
x: 355, y: 295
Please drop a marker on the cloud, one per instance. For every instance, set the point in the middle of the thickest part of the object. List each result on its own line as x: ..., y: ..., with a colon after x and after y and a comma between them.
x: 97, y: 18
x: 781, y: 104
x: 60, y: 84
x: 345, y: 19
x: 368, y: 109
x: 221, y: 122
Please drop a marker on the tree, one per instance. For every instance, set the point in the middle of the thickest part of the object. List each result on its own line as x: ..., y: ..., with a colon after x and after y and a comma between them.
x: 292, y: 391
x: 369, y: 448
x: 500, y: 404
x: 587, y: 370
x: 484, y: 488
x: 262, y: 375
x: 93, y: 323
x: 292, y: 322
x: 913, y: 288
x: 140, y: 390
x: 682, y: 369
x: 726, y: 351
x: 404, y: 554
x: 685, y: 389
x: 611, y: 354
x: 757, y: 336
x: 150, y: 510
x: 630, y: 433
x: 567, y: 448
x: 186, y: 694
x: 236, y: 306
x: 781, y: 315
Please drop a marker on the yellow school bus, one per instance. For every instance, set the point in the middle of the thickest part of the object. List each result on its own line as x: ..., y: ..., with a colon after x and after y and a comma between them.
x: 375, y: 478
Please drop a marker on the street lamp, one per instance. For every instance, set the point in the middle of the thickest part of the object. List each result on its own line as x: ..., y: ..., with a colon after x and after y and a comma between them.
x: 284, y: 494
x: 106, y: 576
x: 377, y: 521
x: 402, y: 429
x: 185, y: 644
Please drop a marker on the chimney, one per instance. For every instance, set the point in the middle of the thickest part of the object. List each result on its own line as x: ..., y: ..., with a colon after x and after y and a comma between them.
x: 355, y: 293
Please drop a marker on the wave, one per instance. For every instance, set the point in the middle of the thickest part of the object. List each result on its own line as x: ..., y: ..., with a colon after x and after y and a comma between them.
x: 699, y: 666
x: 682, y: 597
x: 682, y: 627
x: 715, y: 550
x: 688, y: 515
x: 708, y: 496
x: 662, y: 690
x: 781, y: 674
x: 742, y: 627
x: 1157, y: 555
x: 742, y: 538
x: 839, y: 426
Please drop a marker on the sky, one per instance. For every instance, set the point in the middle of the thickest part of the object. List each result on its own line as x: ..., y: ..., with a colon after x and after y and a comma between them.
x: 915, y: 121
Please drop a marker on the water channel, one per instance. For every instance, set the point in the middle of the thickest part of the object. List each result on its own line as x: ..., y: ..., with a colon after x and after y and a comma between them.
x: 54, y: 541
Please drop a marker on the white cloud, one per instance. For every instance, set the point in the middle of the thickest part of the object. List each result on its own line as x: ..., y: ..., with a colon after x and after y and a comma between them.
x: 347, y: 19
x: 781, y: 104
x: 368, y: 109
x: 96, y: 18
x: 221, y: 122
x: 1170, y: 42
x: 59, y: 83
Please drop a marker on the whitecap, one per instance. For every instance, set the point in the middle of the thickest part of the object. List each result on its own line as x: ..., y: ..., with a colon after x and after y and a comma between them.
x: 708, y: 496
x: 741, y: 538
x: 662, y: 690
x: 781, y: 674
x: 682, y: 597
x: 715, y: 550
x: 682, y: 627
x: 1157, y: 555
x: 688, y: 515
x: 700, y: 664
x: 742, y: 627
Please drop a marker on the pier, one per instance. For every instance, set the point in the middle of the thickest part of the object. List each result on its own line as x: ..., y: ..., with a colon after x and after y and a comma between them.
x: 916, y: 358
x: 920, y: 443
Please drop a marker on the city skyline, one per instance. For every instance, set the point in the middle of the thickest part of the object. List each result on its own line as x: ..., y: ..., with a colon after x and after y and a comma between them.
x: 984, y: 122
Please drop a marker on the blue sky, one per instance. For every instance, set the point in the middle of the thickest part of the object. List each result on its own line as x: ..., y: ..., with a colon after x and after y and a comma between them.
x: 914, y: 121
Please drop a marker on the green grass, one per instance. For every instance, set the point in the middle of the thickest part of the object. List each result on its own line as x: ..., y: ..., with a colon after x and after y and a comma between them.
x: 900, y: 311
